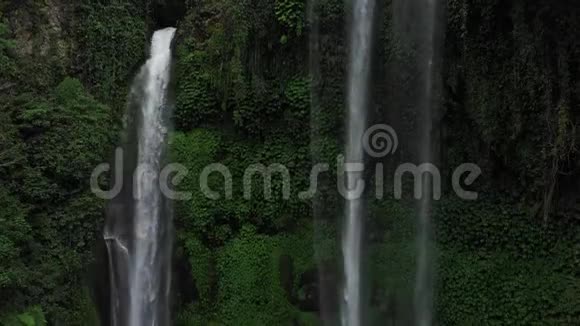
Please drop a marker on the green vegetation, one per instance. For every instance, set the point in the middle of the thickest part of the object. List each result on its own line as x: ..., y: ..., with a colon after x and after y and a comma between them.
x: 112, y: 40
x: 290, y: 14
x: 53, y: 133
x: 495, y: 266
x: 32, y: 317
x: 499, y: 266
x: 246, y: 94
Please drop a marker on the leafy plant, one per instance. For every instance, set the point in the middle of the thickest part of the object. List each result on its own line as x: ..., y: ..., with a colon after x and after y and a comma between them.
x: 291, y: 13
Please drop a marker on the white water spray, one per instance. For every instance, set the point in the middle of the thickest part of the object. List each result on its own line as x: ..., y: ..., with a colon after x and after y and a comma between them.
x: 145, y: 272
x: 360, y: 61
x: 137, y: 233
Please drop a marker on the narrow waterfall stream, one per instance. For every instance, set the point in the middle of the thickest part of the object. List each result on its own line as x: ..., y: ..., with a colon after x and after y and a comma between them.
x: 415, y: 24
x: 140, y: 246
x: 358, y: 81
x: 424, y: 277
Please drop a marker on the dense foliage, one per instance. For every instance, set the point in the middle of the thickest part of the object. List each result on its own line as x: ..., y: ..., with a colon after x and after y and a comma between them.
x: 53, y: 132
x: 262, y: 82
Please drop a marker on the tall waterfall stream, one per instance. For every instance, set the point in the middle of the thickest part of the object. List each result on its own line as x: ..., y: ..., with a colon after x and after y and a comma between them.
x: 139, y: 239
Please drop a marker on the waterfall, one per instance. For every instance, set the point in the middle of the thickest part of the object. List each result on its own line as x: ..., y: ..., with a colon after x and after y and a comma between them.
x: 416, y: 26
x: 358, y: 80
x: 139, y: 247
x: 424, y: 275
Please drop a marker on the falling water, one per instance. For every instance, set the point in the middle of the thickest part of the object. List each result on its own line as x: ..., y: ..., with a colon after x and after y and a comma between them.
x: 360, y: 60
x: 139, y: 249
x: 424, y: 275
x: 416, y: 31
x: 415, y: 24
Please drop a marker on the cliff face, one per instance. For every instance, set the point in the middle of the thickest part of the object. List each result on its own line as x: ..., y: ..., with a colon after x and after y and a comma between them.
x: 61, y: 78
x: 44, y: 39
x: 534, y: 43
x: 248, y: 82
x: 48, y: 29
x: 42, y: 28
x: 263, y: 81
x: 512, y: 76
